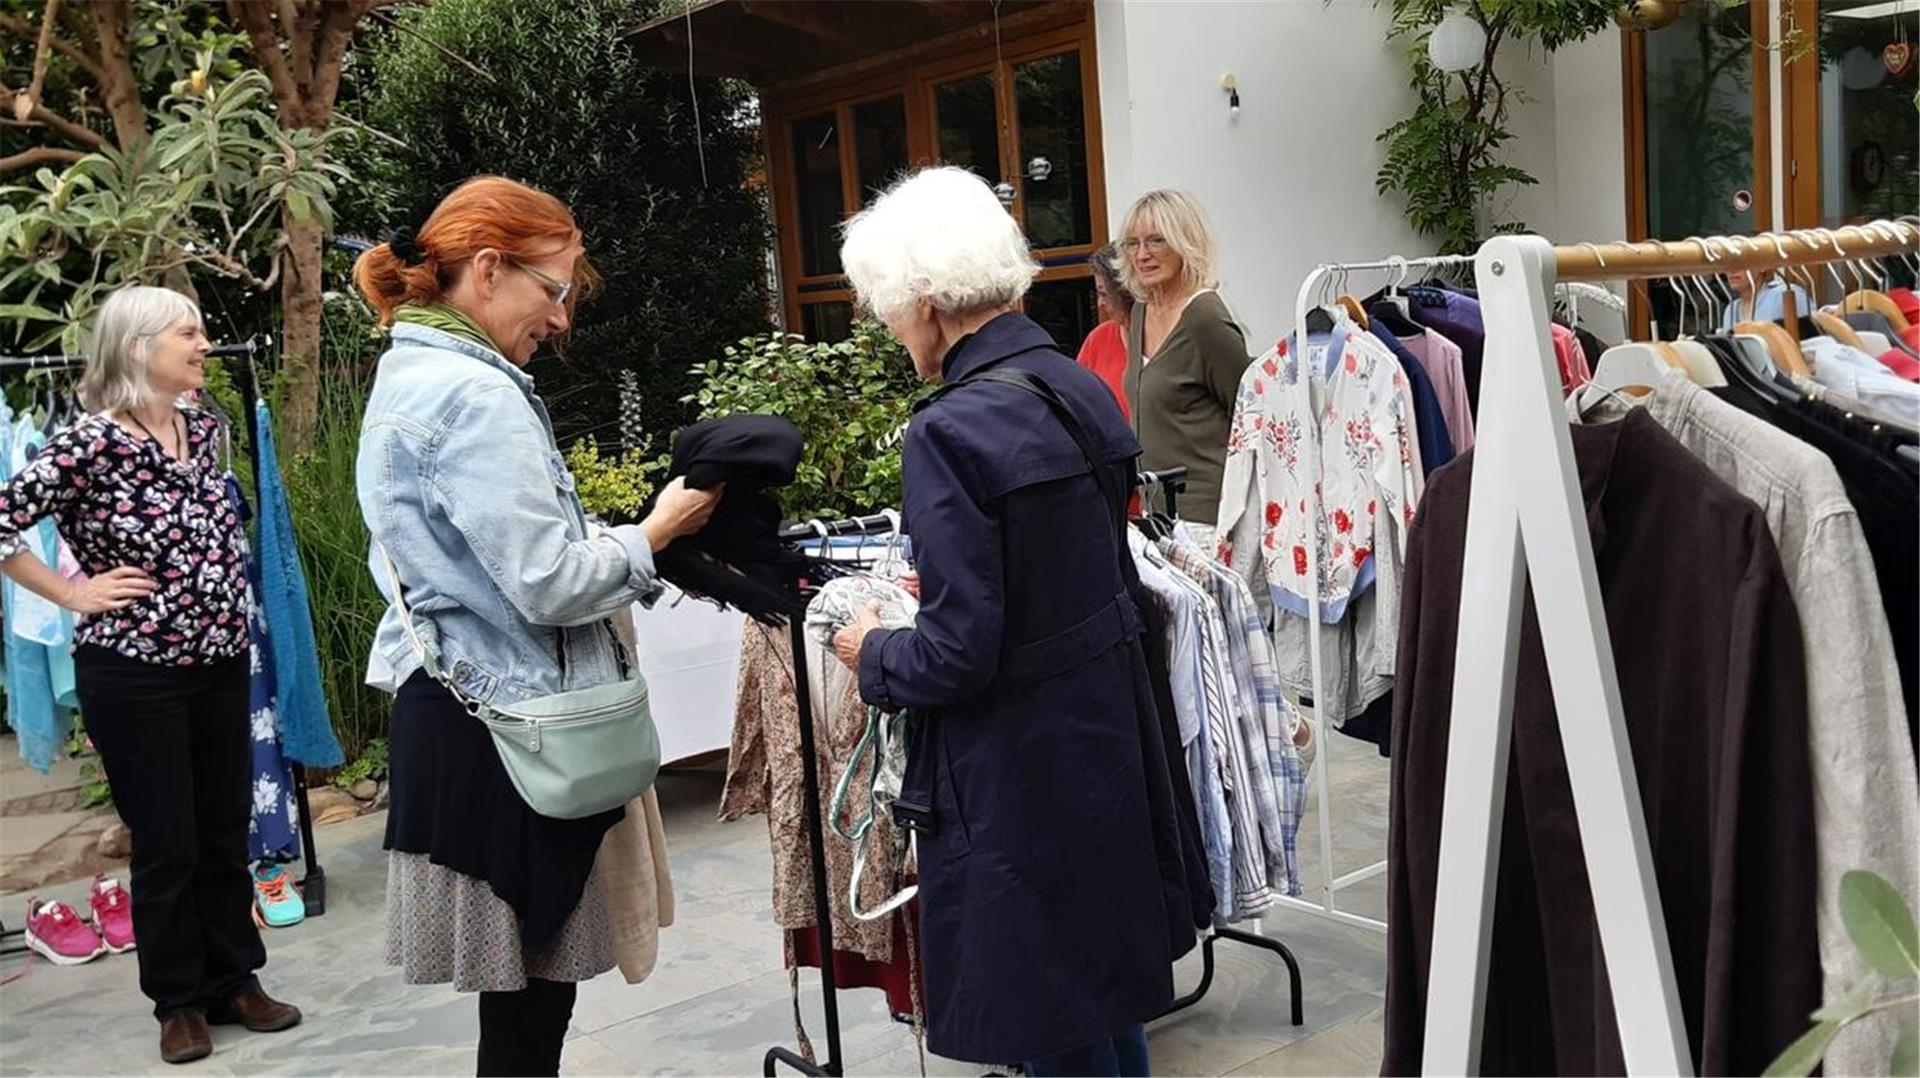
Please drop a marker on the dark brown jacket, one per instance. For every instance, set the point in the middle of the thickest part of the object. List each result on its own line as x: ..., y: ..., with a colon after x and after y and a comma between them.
x: 1712, y: 677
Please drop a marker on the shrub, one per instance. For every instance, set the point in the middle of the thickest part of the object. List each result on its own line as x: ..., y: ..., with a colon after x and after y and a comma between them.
x: 848, y: 399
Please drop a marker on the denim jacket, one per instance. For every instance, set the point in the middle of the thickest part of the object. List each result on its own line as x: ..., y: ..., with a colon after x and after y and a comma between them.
x: 460, y: 479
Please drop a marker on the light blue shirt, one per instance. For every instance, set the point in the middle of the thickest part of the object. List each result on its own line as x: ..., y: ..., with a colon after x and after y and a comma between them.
x: 1846, y: 369
x: 1769, y: 305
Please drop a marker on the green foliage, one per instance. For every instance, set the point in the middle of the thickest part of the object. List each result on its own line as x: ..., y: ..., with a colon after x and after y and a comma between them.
x: 1881, y: 927
x: 95, y: 790
x: 1443, y: 161
x: 205, y: 193
x: 846, y: 398
x: 370, y: 764
x: 330, y: 533
x: 613, y: 487
x: 674, y: 221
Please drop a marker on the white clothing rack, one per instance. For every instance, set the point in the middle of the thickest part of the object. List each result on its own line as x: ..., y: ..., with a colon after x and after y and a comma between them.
x: 1526, y: 519
x: 1327, y: 905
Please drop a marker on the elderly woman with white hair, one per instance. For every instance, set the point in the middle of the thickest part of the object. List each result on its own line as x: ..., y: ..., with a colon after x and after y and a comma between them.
x: 1052, y: 887
x: 139, y: 491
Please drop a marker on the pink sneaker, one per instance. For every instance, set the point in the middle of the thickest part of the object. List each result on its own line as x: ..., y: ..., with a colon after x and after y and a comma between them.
x: 112, y: 914
x: 57, y: 934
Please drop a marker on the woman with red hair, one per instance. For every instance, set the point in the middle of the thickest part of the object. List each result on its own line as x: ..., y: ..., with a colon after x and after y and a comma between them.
x: 466, y: 494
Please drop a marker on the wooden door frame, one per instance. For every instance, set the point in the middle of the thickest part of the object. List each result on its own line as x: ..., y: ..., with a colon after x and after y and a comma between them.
x: 913, y: 77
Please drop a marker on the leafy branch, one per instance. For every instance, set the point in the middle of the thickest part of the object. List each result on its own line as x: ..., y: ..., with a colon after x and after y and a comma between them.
x: 1881, y: 928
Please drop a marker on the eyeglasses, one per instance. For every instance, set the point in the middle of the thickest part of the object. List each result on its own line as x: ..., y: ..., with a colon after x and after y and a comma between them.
x: 557, y: 290
x: 1153, y: 245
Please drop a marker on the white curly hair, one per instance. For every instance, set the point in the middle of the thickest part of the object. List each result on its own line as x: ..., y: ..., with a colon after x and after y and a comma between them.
x: 938, y: 235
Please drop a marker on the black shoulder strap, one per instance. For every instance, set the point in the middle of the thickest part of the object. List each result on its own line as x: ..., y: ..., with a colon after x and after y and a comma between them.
x: 1103, y: 476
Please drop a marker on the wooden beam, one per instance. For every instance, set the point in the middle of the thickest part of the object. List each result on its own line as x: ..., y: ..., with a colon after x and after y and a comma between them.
x: 1040, y: 16
x: 812, y: 19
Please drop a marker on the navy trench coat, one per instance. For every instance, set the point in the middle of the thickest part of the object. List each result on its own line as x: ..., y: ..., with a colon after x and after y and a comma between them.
x: 1052, y: 892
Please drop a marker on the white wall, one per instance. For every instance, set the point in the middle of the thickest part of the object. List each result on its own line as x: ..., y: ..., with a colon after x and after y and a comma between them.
x: 1290, y: 182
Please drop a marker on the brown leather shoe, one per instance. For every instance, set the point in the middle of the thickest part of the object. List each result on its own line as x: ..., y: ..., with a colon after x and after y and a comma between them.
x: 257, y: 1011
x: 184, y: 1037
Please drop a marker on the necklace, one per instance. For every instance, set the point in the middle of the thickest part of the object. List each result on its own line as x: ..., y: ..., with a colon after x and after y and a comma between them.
x: 179, y: 433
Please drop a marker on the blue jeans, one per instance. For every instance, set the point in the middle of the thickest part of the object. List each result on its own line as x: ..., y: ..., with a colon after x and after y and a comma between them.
x: 1123, y: 1055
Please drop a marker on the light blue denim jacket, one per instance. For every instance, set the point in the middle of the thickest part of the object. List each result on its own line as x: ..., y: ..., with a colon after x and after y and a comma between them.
x: 460, y: 479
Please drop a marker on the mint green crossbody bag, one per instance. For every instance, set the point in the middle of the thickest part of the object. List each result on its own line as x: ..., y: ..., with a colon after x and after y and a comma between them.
x: 569, y: 754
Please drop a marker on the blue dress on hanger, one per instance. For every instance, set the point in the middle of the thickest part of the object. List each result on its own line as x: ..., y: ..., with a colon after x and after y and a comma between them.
x: 275, y: 832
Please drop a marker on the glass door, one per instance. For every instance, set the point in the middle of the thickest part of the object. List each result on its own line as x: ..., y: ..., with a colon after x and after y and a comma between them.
x: 1704, y: 144
x: 1855, y: 117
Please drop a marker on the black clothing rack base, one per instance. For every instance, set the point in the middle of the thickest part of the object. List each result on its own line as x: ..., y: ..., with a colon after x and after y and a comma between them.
x: 1206, y: 971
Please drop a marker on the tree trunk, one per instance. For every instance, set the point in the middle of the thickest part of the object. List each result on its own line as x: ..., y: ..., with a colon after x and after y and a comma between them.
x: 117, y: 83
x: 301, y: 305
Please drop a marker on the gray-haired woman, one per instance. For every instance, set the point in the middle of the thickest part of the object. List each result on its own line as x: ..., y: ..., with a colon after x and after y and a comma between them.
x: 140, y: 495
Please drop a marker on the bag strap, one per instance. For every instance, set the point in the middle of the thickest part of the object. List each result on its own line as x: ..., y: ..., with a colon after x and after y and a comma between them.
x: 429, y: 657
x: 1102, y: 475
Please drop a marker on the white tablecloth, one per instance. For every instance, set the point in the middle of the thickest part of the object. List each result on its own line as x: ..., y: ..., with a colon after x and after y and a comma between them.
x: 690, y: 654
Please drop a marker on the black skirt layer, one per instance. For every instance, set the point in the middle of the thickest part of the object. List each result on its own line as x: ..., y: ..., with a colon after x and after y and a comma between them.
x: 452, y: 800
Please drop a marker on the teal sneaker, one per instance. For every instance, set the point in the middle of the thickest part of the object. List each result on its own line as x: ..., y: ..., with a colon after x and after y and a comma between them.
x: 276, y: 901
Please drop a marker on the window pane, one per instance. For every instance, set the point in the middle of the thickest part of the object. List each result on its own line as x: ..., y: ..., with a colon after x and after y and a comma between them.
x: 1699, y: 117
x: 1065, y: 309
x: 816, y: 171
x: 969, y: 126
x: 828, y: 323
x: 1053, y: 151
x: 1869, y: 127
x: 880, y: 144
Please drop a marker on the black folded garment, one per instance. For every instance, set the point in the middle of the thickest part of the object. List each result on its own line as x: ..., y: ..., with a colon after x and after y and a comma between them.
x: 738, y: 557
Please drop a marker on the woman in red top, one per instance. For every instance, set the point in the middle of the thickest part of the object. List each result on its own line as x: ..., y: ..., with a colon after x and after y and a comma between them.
x: 1104, y: 352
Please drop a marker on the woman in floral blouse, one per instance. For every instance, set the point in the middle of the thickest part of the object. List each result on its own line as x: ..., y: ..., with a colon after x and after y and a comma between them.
x: 140, y: 495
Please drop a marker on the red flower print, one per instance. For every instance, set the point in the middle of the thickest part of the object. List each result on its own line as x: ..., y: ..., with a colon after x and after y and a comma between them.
x: 1259, y: 388
x: 1342, y: 522
x: 1300, y: 560
x: 1226, y: 555
x: 1373, y: 508
x: 1272, y: 368
x: 1360, y: 556
x: 1352, y: 364
x: 1273, y: 514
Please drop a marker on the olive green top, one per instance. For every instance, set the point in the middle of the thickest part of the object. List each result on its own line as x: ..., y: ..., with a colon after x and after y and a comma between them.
x: 1183, y: 398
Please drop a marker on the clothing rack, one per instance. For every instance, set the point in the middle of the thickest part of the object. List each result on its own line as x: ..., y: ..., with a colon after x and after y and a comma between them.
x: 313, y: 886
x: 1526, y: 518
x: 816, y: 834
x: 1172, y: 481
x: 1315, y: 285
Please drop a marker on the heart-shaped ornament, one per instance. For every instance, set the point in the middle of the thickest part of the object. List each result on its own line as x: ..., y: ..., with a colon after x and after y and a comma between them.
x: 1898, y: 57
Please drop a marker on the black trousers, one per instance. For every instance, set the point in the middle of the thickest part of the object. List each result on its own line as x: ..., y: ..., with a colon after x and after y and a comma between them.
x: 521, y: 1033
x: 176, y: 744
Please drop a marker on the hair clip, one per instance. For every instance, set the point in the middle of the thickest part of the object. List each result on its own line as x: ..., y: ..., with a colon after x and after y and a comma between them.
x: 406, y: 246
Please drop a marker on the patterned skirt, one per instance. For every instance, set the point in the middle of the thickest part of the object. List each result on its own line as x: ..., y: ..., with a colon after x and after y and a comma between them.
x: 447, y: 927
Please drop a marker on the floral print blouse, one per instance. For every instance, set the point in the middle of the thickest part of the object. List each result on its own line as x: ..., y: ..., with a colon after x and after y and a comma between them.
x: 119, y: 499
x: 1370, y: 474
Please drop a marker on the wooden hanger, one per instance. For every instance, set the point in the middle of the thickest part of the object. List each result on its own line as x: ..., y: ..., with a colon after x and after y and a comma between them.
x: 1869, y: 299
x: 1780, y: 345
x: 1354, y: 310
x: 1832, y: 325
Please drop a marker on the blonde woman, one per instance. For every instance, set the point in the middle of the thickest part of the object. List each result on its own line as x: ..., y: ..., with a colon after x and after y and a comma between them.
x: 1185, y: 353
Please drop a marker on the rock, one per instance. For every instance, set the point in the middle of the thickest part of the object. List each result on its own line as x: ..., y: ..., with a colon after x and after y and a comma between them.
x: 365, y: 789
x: 380, y: 799
x: 116, y: 842
x: 322, y: 798
x: 336, y: 812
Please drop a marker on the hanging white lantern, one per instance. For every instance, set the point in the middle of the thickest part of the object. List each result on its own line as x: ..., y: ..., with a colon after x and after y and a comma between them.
x: 1457, y: 44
